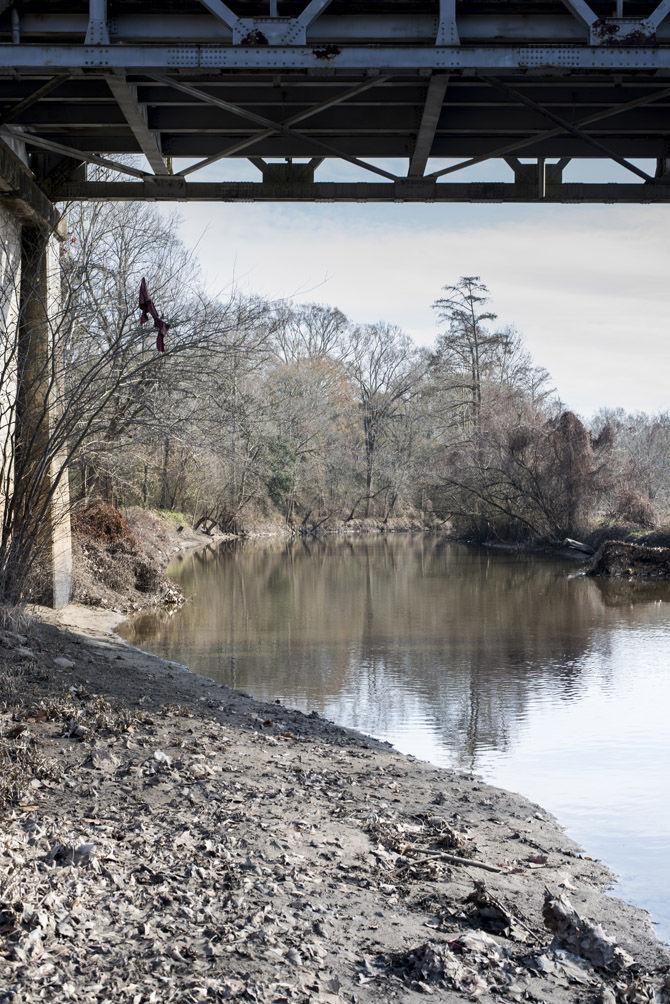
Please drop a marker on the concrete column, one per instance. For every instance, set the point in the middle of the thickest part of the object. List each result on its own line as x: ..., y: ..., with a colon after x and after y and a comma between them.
x: 41, y: 490
x: 10, y: 277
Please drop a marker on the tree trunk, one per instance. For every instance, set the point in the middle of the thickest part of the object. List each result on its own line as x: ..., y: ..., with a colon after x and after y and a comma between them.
x: 145, y: 486
x: 164, y: 499
x: 369, y: 461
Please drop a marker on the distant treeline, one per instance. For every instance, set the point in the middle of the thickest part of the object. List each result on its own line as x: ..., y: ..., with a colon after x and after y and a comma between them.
x: 275, y: 407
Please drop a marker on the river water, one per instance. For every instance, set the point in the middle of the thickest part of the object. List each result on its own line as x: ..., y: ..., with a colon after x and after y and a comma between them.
x: 539, y: 679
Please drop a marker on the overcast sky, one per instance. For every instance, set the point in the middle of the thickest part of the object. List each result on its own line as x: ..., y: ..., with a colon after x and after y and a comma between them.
x: 588, y: 287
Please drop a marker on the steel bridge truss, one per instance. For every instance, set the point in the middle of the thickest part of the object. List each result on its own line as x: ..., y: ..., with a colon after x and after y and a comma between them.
x: 438, y: 86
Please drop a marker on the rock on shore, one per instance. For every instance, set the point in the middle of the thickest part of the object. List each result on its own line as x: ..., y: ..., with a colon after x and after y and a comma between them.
x: 165, y: 839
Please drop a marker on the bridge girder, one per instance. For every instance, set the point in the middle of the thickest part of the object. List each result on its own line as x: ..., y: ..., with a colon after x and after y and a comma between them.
x: 532, y: 183
x: 207, y: 81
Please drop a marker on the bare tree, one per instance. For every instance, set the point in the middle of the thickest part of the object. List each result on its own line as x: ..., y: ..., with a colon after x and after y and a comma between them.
x: 531, y: 475
x: 310, y: 404
x: 467, y: 349
x: 91, y: 385
x: 386, y: 370
x: 309, y: 331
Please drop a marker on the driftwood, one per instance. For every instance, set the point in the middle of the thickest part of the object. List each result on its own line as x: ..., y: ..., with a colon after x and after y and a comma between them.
x: 576, y: 545
x: 620, y: 559
x: 452, y: 859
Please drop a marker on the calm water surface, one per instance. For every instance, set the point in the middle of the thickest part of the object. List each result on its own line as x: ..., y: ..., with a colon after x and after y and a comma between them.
x: 539, y: 679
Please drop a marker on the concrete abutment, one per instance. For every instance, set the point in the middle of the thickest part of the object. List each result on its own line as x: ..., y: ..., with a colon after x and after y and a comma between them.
x: 34, y: 490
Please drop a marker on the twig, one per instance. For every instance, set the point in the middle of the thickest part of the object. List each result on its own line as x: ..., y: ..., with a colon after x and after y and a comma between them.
x: 452, y: 859
x: 514, y: 913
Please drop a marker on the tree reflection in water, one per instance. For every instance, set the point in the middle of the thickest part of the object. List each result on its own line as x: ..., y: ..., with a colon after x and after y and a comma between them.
x: 388, y: 634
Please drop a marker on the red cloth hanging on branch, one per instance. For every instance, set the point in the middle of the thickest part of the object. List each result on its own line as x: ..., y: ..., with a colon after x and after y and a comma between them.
x: 148, y: 308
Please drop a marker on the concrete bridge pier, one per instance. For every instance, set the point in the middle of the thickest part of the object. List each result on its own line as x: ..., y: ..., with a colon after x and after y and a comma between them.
x: 40, y: 392
x: 34, y: 482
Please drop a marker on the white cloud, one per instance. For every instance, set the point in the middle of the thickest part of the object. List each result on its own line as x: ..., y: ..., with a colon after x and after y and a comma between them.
x: 587, y: 286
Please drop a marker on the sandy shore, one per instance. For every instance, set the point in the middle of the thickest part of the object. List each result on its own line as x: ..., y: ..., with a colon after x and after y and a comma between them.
x: 167, y: 839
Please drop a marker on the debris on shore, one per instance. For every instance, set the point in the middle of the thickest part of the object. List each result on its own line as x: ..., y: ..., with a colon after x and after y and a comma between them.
x: 121, y: 557
x: 622, y: 559
x: 165, y: 839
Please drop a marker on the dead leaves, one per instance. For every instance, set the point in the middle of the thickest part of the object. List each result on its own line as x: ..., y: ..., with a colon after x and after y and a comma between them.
x: 472, y: 964
x: 191, y: 862
x: 581, y: 936
x: 23, y: 767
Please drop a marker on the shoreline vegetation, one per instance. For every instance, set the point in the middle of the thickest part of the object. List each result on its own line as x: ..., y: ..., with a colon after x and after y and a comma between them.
x: 121, y: 557
x: 168, y: 839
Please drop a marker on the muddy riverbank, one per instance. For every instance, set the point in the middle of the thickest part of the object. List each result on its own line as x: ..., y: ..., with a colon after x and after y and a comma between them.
x: 121, y: 557
x: 165, y: 838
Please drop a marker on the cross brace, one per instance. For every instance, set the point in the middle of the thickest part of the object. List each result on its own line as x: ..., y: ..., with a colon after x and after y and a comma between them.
x: 125, y: 95
x: 272, y: 30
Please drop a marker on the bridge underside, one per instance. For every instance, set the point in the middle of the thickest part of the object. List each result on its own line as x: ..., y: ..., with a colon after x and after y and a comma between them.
x: 414, y: 94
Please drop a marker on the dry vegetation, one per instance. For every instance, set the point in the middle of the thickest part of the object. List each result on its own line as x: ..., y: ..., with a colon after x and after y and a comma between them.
x: 303, y: 415
x: 121, y: 558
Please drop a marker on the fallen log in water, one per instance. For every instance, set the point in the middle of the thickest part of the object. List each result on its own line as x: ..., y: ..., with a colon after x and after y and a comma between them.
x: 576, y: 545
x: 620, y: 559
